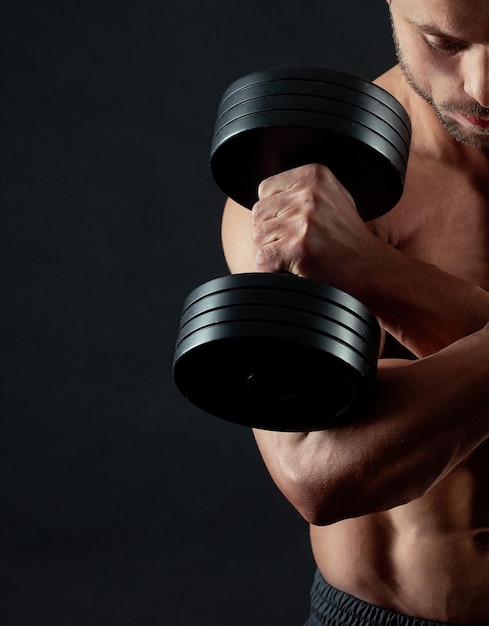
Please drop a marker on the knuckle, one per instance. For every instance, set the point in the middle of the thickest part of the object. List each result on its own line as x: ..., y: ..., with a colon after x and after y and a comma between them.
x: 308, y: 200
x: 265, y: 188
x: 317, y: 172
x: 258, y: 234
x: 268, y: 259
x: 261, y: 190
x: 315, y: 169
x: 255, y: 213
x: 259, y: 212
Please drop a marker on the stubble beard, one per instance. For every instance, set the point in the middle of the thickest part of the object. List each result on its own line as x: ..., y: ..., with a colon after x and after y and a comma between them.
x: 478, y: 139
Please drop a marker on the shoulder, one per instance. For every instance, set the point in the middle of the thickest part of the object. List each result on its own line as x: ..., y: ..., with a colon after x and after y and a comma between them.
x: 394, y: 82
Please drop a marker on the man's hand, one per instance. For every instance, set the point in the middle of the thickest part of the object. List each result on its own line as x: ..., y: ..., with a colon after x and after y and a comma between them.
x: 306, y: 223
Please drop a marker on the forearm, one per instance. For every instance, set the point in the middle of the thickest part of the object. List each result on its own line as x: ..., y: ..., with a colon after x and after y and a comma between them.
x: 428, y: 416
x: 425, y: 308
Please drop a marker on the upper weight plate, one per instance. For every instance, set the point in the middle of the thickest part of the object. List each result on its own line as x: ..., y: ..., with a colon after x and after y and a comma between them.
x: 323, y: 93
x: 316, y: 78
x: 259, y: 136
x: 315, y: 112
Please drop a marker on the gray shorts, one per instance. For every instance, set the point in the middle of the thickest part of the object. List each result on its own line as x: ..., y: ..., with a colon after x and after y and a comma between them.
x: 332, y: 607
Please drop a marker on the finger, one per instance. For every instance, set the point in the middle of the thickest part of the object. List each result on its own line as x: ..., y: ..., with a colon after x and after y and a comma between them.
x: 278, y: 183
x: 270, y: 258
x: 267, y: 232
x: 270, y: 208
x: 310, y: 174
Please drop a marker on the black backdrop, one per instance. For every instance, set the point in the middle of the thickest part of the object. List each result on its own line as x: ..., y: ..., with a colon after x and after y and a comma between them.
x: 121, y: 504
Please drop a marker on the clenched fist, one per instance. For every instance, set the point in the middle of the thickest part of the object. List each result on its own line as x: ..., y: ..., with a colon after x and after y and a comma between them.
x: 306, y: 223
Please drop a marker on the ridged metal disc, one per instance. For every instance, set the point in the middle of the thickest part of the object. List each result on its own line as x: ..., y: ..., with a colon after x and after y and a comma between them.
x: 281, y: 118
x: 275, y: 351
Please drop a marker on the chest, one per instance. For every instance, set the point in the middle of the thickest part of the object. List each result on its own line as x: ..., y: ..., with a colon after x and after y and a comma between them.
x: 443, y: 219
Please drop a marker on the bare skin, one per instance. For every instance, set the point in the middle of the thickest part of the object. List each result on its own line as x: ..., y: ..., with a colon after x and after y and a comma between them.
x: 397, y: 501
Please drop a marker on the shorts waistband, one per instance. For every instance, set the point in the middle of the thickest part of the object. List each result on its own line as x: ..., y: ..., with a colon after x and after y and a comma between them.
x: 332, y: 607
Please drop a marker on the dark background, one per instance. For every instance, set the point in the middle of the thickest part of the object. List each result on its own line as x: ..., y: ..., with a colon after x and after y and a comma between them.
x: 122, y: 504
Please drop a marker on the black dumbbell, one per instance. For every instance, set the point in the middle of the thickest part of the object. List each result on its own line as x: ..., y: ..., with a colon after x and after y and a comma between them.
x: 276, y: 351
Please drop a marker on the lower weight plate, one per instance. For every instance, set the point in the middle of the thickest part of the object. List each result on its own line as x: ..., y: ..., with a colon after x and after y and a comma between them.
x: 276, y: 356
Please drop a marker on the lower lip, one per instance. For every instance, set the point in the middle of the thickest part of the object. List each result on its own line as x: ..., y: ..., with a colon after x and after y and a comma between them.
x: 477, y: 121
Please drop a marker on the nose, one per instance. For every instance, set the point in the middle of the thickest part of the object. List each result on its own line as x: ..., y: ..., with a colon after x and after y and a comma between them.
x: 476, y: 76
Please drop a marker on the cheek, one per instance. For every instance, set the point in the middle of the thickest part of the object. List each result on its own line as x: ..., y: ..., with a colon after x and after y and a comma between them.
x: 443, y: 81
x: 434, y: 73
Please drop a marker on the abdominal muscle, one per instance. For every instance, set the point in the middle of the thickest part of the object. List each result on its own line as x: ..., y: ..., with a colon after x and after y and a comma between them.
x: 428, y: 559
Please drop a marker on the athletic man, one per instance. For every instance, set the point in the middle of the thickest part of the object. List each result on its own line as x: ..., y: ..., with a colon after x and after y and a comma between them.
x: 397, y: 501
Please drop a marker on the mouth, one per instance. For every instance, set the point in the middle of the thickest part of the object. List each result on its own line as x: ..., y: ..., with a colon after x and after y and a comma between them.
x: 478, y: 122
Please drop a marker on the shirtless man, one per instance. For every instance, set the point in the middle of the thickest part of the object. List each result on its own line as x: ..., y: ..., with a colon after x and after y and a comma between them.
x: 398, y: 500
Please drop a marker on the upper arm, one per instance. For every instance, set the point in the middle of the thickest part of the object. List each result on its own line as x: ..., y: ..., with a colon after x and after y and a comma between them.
x: 237, y: 238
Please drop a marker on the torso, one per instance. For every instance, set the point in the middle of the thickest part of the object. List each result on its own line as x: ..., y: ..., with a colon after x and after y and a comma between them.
x: 428, y: 558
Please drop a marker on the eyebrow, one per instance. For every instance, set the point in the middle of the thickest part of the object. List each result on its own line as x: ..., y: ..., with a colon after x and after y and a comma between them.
x: 434, y: 30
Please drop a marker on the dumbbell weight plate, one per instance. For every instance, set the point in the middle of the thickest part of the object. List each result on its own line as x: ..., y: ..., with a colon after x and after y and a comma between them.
x: 266, y: 134
x: 317, y: 96
x: 318, y: 81
x: 304, y: 95
x: 317, y: 78
x: 282, y: 292
x: 243, y: 356
x: 321, y: 112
